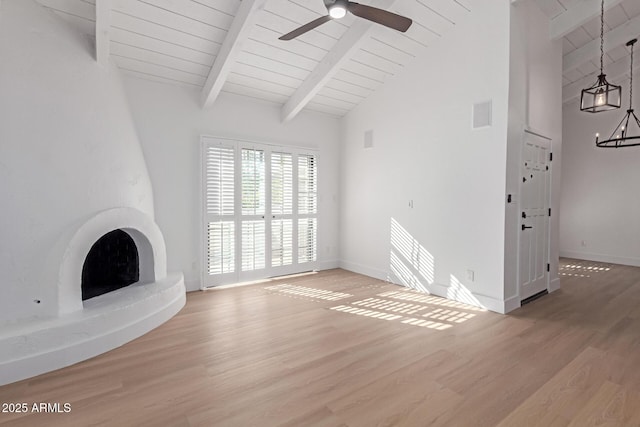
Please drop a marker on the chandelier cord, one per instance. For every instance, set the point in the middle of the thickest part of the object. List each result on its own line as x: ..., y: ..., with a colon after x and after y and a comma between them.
x: 631, y: 81
x: 602, y: 37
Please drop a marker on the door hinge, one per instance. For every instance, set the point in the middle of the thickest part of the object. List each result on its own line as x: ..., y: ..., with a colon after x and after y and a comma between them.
x: 551, y: 157
x: 548, y: 267
x: 549, y: 211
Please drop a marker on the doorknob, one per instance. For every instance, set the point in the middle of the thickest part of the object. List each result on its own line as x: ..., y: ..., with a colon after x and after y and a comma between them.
x: 524, y: 227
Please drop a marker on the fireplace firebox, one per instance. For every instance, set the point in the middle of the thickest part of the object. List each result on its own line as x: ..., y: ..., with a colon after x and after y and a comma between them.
x: 112, y: 263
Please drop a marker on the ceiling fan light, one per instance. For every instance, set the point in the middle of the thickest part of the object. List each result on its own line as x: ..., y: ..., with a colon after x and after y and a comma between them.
x: 337, y: 10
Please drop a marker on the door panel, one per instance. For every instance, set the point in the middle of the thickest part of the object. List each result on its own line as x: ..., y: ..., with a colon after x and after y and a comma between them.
x: 534, y: 215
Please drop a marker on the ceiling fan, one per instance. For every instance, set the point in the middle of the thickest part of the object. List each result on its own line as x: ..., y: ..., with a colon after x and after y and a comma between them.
x: 339, y: 8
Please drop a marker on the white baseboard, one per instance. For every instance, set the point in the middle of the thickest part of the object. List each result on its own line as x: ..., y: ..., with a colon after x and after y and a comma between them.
x: 476, y: 299
x: 328, y: 265
x: 514, y: 302
x: 613, y: 259
x: 511, y: 304
x: 366, y: 270
x: 479, y: 300
x: 192, y: 285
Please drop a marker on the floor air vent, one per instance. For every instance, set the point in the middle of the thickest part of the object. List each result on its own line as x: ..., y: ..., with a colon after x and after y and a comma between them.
x: 533, y: 297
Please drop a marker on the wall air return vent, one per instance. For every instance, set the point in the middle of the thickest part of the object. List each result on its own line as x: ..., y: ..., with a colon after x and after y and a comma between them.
x: 482, y: 115
x: 368, y: 139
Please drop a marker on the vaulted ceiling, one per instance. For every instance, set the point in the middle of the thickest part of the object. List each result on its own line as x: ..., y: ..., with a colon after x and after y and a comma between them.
x: 232, y: 45
x: 578, y: 23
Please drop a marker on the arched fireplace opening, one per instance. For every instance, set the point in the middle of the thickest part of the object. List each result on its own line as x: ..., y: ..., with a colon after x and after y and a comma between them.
x: 112, y: 263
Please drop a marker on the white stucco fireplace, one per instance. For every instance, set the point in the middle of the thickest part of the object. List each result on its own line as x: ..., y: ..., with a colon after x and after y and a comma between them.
x: 77, y: 329
x: 142, y: 230
x: 72, y: 171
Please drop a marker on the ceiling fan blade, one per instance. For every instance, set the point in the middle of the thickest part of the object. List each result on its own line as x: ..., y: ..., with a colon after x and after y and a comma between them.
x: 380, y: 16
x: 306, y: 27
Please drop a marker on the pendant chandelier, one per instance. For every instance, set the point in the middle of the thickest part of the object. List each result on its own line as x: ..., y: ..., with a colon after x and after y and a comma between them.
x: 622, y: 135
x: 602, y: 96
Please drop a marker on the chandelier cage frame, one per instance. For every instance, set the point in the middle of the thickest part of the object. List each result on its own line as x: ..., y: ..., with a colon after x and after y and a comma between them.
x: 621, y: 135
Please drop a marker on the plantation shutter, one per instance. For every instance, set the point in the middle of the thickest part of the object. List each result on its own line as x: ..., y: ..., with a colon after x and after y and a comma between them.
x: 307, y: 208
x: 220, y: 209
x: 281, y: 183
x: 253, y: 182
x: 260, y: 211
x: 281, y: 209
x: 253, y: 209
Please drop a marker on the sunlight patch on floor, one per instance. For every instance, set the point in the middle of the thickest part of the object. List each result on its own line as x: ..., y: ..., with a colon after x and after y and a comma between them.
x: 364, y: 312
x: 303, y: 291
x: 453, y: 316
x: 579, y: 268
x: 388, y: 305
x: 429, y: 313
x: 427, y: 324
x: 429, y: 299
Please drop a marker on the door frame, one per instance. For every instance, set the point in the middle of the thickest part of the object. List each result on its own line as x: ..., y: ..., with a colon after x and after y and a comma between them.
x: 532, y: 131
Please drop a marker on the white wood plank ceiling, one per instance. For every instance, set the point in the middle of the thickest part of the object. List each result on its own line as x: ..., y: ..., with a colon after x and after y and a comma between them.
x: 216, y: 45
x: 178, y: 41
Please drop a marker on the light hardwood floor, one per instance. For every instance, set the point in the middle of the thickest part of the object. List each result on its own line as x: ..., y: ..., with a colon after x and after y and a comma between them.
x: 341, y: 349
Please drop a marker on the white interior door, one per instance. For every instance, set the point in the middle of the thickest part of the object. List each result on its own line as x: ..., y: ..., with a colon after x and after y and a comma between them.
x: 534, y: 215
x: 260, y: 211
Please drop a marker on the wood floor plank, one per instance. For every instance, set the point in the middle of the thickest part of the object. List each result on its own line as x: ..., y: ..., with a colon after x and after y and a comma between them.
x: 566, y: 392
x: 400, y: 393
x: 611, y: 406
x: 340, y: 349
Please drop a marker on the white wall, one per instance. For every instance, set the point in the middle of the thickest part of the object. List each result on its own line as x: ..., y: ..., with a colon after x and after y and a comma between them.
x: 170, y: 122
x: 68, y: 150
x: 535, y: 102
x: 600, y: 205
x: 425, y: 151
